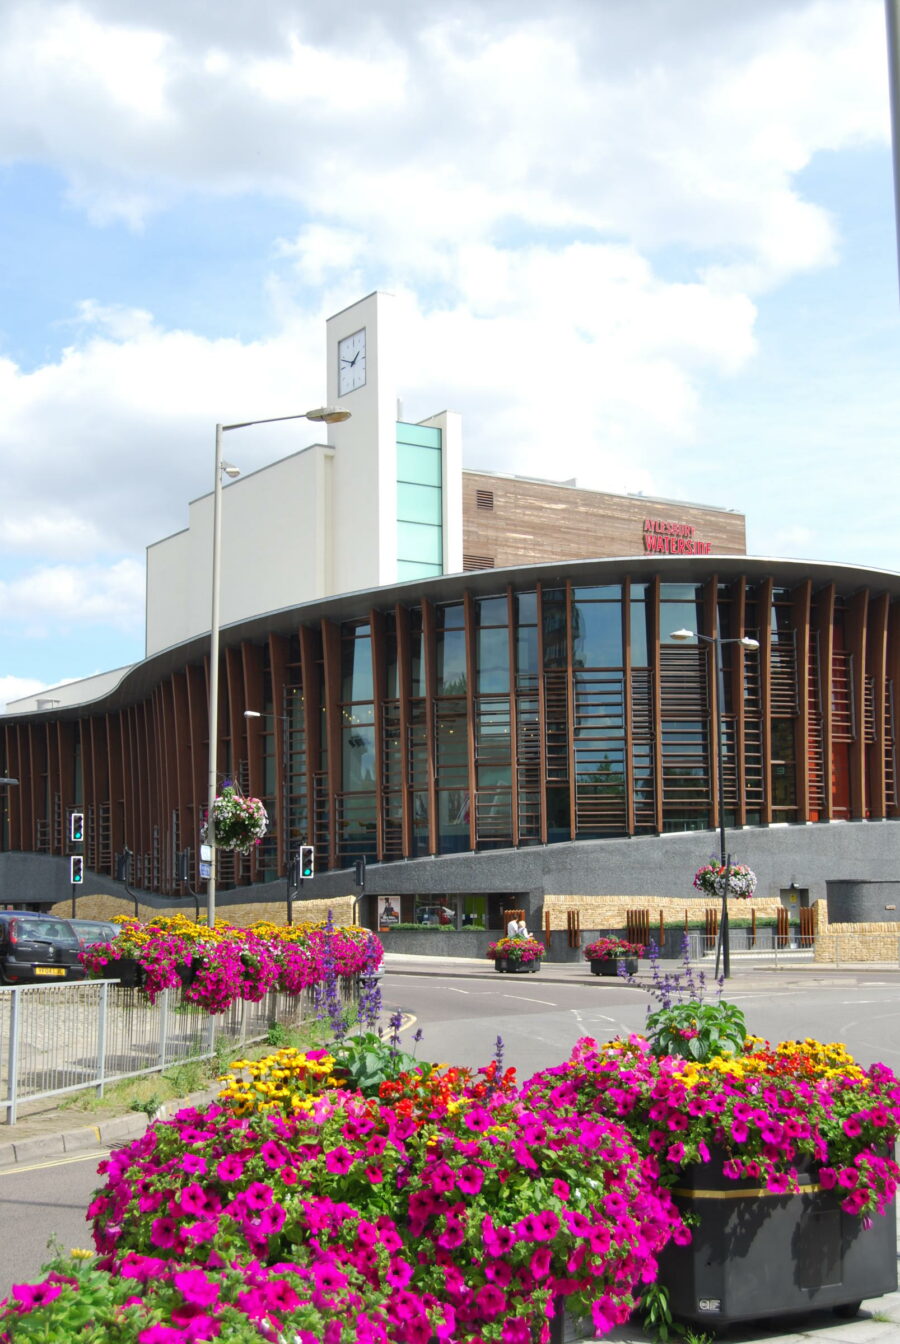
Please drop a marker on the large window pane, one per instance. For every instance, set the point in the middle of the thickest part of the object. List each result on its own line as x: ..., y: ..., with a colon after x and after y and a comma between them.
x: 679, y: 616
x: 640, y: 641
x: 359, y: 757
x: 597, y: 634
x: 492, y: 611
x: 357, y: 668
x: 493, y: 661
x: 451, y: 662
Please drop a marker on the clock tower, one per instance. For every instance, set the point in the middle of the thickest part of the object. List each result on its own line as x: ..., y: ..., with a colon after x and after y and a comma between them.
x: 396, y: 490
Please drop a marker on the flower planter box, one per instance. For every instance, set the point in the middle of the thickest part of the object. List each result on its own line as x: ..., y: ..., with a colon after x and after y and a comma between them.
x: 755, y: 1254
x: 187, y: 971
x: 610, y: 965
x: 516, y: 967
x: 128, y: 972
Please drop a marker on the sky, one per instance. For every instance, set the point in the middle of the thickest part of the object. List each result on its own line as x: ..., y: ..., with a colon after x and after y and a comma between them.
x: 648, y: 244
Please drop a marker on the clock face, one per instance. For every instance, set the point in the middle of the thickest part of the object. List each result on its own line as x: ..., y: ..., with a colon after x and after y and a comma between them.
x: 352, y: 362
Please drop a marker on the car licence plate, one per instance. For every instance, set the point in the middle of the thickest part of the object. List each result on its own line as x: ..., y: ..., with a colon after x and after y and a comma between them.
x: 49, y: 970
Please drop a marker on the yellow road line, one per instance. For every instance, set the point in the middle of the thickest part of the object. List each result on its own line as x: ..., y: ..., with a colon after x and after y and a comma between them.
x: 95, y: 1154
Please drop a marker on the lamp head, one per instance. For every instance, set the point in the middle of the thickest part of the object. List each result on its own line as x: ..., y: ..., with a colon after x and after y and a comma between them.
x: 332, y: 415
x: 230, y: 470
x: 748, y: 643
x: 682, y: 635
x: 252, y: 714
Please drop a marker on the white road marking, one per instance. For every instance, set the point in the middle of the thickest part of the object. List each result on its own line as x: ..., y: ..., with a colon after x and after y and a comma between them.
x: 451, y: 989
x: 526, y: 999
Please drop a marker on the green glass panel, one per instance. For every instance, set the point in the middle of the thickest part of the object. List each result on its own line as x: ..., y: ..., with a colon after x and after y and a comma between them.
x: 418, y: 503
x: 416, y: 569
x: 426, y: 436
x: 420, y: 466
x: 418, y: 541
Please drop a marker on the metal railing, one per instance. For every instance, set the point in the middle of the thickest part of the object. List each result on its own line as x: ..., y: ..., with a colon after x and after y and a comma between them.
x: 839, y: 949
x: 64, y: 1038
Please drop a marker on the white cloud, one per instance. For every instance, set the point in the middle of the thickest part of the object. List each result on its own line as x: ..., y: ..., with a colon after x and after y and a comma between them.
x: 51, y: 598
x: 582, y: 208
x: 16, y: 688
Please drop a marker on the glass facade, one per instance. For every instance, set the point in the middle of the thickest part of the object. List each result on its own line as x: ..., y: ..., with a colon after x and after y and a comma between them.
x: 420, y: 535
x: 527, y: 714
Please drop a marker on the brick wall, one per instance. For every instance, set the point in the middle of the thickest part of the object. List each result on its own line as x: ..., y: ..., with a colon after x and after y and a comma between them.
x: 836, y: 943
x: 100, y: 906
x: 609, y: 912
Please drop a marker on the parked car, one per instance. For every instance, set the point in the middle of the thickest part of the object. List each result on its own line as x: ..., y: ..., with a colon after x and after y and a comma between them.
x: 90, y: 931
x: 35, y: 948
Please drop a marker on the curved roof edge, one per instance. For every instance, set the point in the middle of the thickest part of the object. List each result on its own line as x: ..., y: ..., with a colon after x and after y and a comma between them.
x: 139, y: 679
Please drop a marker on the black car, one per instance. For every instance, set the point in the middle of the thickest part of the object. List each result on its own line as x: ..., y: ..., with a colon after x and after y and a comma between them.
x: 91, y: 931
x: 37, y: 948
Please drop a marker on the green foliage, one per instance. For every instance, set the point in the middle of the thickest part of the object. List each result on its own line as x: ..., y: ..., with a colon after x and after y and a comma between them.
x: 698, y: 1031
x: 367, y: 1061
x: 148, y: 1105
x: 656, y: 1314
x: 187, y: 1077
x: 437, y: 928
x: 276, y: 1035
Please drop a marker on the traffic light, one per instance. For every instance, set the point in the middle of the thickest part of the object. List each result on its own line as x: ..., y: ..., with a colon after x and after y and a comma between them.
x: 76, y: 870
x: 76, y: 827
x: 307, y: 860
x: 361, y: 873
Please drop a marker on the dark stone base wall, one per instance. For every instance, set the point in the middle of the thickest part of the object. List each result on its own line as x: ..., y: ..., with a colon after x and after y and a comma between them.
x: 863, y: 901
x: 809, y: 856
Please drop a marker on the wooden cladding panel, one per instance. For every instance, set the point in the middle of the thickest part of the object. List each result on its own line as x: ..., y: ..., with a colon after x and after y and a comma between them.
x: 857, y: 613
x: 331, y: 662
x: 876, y: 670
x: 537, y: 521
x: 800, y: 615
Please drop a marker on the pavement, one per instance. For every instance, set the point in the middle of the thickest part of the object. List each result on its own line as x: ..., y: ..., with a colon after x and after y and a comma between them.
x: 47, y: 1132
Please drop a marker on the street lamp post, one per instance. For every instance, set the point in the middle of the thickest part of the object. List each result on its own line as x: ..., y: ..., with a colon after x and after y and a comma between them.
x: 716, y: 641
x: 283, y: 805
x: 330, y: 415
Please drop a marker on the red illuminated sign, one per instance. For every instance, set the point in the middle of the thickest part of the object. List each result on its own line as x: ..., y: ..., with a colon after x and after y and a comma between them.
x: 673, y: 538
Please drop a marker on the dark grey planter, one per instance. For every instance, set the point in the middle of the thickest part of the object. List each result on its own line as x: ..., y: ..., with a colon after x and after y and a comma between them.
x: 756, y: 1255
x: 610, y: 965
x: 516, y: 967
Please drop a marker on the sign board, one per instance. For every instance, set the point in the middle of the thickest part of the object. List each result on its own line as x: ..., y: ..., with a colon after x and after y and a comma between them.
x: 206, y: 853
x: 673, y: 538
x: 205, y: 869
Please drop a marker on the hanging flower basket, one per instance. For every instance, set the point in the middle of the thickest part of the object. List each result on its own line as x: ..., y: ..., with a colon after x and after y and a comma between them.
x: 240, y: 823
x: 710, y: 879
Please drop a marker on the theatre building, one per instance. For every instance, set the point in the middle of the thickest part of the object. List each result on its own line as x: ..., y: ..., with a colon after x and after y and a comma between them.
x: 470, y: 680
